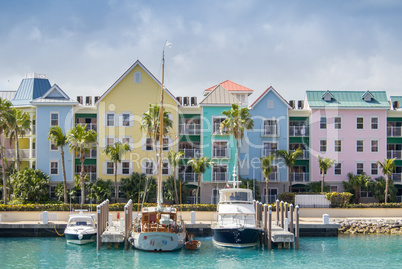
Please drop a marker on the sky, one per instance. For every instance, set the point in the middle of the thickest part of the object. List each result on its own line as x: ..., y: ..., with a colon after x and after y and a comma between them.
x: 85, y: 46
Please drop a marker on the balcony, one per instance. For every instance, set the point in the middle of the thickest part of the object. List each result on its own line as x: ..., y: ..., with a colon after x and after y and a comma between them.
x: 220, y: 153
x: 24, y: 153
x: 190, y: 129
x: 91, y: 154
x: 32, y: 131
x: 394, y: 131
x: 92, y: 176
x: 267, y: 152
x: 298, y: 131
x: 190, y: 153
x: 219, y: 176
x: 305, y: 155
x: 394, y: 154
x: 90, y: 126
x: 274, y: 176
x: 397, y: 177
x: 300, y: 177
x: 188, y: 177
x: 270, y: 130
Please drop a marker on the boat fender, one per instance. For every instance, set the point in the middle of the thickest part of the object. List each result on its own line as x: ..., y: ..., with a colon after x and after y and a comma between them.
x: 80, y: 236
x: 118, y: 215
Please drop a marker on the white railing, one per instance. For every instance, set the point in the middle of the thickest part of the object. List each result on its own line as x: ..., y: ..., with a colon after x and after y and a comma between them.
x: 90, y: 154
x: 190, y: 129
x: 305, y: 153
x: 220, y: 153
x: 188, y: 177
x: 190, y: 153
x: 312, y: 201
x: 394, y: 154
x: 300, y: 177
x: 270, y: 130
x: 394, y: 131
x: 92, y: 176
x: 24, y: 153
x: 298, y: 131
x: 397, y: 177
x: 267, y: 152
x: 274, y: 176
x: 90, y: 126
x: 216, y: 129
x: 219, y: 176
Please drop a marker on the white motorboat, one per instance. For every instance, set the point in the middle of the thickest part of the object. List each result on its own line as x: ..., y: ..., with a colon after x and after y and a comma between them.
x: 81, y: 229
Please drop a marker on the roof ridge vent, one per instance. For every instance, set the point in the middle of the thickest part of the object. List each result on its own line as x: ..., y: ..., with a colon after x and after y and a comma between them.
x: 35, y: 75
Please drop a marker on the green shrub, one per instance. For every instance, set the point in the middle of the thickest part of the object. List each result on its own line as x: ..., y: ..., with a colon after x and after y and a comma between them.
x: 288, y: 197
x: 30, y: 185
x: 339, y: 199
x: 376, y: 205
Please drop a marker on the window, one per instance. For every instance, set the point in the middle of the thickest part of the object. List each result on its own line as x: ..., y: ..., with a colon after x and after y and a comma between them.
x: 337, y: 123
x: 359, y: 123
x: 148, y: 144
x: 165, y: 142
x: 216, y: 125
x: 323, y: 145
x: 269, y: 148
x: 125, y: 168
x: 374, y: 123
x: 359, y: 168
x: 333, y: 188
x: 110, y: 120
x: 220, y: 149
x: 323, y: 122
x: 109, y: 168
x: 149, y: 167
x: 165, y: 168
x: 325, y: 172
x: 54, y: 119
x: 271, y: 104
x: 109, y: 141
x: 270, y: 127
x: 125, y: 119
x: 364, y: 193
x: 54, y: 168
x: 374, y: 169
x: 374, y: 145
x: 137, y: 77
x: 338, y: 145
x: 125, y: 140
x: 53, y: 146
x: 359, y: 146
x: 219, y: 173
x: 338, y: 169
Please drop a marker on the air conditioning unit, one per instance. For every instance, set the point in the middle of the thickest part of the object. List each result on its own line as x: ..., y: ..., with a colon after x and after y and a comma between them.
x: 300, y: 104
x: 193, y: 101
x: 186, y: 101
x: 88, y: 100
x: 292, y: 104
x: 80, y: 99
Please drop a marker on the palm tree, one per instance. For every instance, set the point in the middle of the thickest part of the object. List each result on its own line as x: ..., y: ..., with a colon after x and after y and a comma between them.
x: 324, y: 164
x: 59, y: 139
x: 238, y: 120
x: 5, y: 117
x: 199, y: 166
x: 174, y: 160
x: 388, y: 167
x: 289, y: 159
x: 81, y: 141
x: 20, y: 123
x: 266, y: 166
x: 115, y: 153
x: 355, y: 183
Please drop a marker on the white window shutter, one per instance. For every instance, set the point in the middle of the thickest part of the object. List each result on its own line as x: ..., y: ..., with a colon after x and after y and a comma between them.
x: 170, y: 171
x: 154, y: 168
x: 143, y: 167
x: 131, y: 120
x: 119, y: 168
x: 131, y: 143
x: 104, y: 119
x: 104, y: 142
x: 104, y: 168
x: 118, y: 119
x: 131, y: 168
x: 144, y: 142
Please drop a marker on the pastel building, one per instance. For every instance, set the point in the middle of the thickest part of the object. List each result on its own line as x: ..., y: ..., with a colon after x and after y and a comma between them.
x: 350, y: 127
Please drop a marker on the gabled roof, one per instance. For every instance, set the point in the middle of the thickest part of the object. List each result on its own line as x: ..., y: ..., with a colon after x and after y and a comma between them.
x: 54, y: 96
x: 219, y: 96
x: 30, y: 89
x: 7, y: 95
x: 270, y: 89
x: 127, y: 72
x: 231, y: 87
x: 367, y: 96
x: 347, y: 99
x: 326, y: 95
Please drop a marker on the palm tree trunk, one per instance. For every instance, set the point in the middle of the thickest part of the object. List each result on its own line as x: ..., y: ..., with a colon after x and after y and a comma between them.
x: 64, y: 174
x: 290, y: 179
x: 237, y: 159
x: 266, y: 190
x: 17, y: 142
x: 176, y: 198
x: 322, y: 182
x: 386, y: 188
x: 3, y: 168
x: 198, y: 188
x: 82, y: 174
x: 115, y: 182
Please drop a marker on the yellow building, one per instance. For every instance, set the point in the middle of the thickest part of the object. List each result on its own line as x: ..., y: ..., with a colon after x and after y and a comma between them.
x: 120, y: 111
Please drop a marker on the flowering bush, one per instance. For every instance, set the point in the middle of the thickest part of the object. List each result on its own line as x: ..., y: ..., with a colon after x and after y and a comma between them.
x: 339, y: 199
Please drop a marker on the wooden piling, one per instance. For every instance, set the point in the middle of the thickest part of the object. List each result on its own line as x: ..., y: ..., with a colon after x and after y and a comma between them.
x: 102, y: 215
x: 265, y: 224
x: 128, y: 222
x: 291, y: 221
x: 297, y: 228
x: 269, y: 226
x: 277, y: 212
x: 282, y: 215
x: 98, y: 233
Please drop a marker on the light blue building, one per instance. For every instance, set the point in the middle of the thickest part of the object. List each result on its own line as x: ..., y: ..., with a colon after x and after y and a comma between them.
x: 270, y: 115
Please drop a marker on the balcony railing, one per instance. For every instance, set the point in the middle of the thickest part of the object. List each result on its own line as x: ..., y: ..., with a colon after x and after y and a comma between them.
x: 270, y: 130
x: 305, y: 155
x: 216, y: 129
x: 219, y: 176
x: 24, y: 153
x: 300, y: 177
x: 90, y: 126
x: 91, y: 154
x: 220, y: 153
x: 298, y: 131
x: 267, y: 152
x: 32, y: 131
x: 394, y: 154
x: 92, y: 175
x: 188, y: 177
x: 397, y: 177
x: 394, y: 131
x: 191, y: 153
x: 274, y: 176
x: 190, y: 129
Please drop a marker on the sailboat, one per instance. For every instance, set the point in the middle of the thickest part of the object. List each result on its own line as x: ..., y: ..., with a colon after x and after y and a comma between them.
x: 159, y: 228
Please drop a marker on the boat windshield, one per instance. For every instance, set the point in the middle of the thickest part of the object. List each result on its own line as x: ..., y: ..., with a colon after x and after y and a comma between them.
x: 234, y: 196
x: 80, y: 222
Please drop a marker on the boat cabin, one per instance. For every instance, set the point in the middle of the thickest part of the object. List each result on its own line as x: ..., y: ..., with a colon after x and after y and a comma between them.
x: 81, y: 220
x: 235, y: 195
x: 153, y: 220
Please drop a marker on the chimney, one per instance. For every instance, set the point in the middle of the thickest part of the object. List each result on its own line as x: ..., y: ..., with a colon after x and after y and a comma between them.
x: 300, y: 104
x: 193, y: 101
x: 395, y: 104
x: 88, y: 100
x: 292, y: 103
x: 79, y: 99
x: 186, y: 101
x: 179, y: 99
x: 97, y: 98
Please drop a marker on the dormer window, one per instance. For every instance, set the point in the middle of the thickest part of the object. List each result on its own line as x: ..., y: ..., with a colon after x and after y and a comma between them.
x: 367, y: 96
x: 327, y: 96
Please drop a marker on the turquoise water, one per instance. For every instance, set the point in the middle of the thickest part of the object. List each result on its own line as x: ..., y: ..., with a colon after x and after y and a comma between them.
x: 343, y: 252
